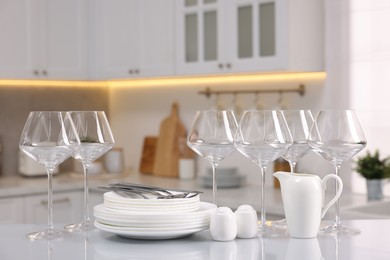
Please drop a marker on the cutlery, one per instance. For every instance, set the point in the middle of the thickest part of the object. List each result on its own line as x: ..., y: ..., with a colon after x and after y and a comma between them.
x: 130, y: 190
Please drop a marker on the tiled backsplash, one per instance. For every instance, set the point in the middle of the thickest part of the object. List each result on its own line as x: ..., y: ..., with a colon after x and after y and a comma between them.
x: 17, y: 102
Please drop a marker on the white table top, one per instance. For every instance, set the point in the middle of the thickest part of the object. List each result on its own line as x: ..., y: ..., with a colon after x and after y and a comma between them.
x: 372, y: 243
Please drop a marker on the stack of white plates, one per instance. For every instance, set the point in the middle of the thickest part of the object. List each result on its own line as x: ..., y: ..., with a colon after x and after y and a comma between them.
x: 226, y: 178
x: 152, y: 218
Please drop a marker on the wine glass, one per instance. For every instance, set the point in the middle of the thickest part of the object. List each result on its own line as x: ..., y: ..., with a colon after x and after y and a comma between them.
x: 211, y: 136
x: 299, y: 123
x: 337, y: 136
x: 96, y: 139
x: 47, y: 138
x: 263, y: 136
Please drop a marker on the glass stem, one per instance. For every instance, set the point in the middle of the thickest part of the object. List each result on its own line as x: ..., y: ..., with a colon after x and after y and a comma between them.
x: 50, y: 225
x: 337, y: 222
x: 214, y: 167
x: 292, y: 166
x: 86, y: 195
x: 263, y: 216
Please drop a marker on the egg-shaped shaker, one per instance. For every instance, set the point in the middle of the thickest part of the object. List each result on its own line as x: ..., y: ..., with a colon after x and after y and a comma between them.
x: 246, y: 218
x: 223, y: 225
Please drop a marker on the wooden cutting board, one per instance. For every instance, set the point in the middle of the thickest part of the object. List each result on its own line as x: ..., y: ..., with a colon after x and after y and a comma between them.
x: 148, y: 155
x: 167, y: 156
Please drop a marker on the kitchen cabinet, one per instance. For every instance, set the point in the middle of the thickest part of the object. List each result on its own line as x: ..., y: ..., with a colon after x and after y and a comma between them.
x: 67, y: 208
x: 43, y: 39
x: 228, y: 36
x: 12, y: 210
x: 132, y: 38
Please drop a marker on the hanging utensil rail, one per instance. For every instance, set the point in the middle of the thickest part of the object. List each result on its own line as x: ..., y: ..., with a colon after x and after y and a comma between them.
x: 208, y: 92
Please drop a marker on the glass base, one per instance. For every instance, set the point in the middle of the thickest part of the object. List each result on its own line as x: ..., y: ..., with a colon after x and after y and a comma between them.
x: 282, y: 224
x: 48, y: 234
x: 269, y: 230
x: 83, y: 226
x: 339, y: 230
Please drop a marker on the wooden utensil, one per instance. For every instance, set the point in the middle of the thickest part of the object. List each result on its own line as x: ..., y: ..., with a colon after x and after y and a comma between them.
x: 167, y: 148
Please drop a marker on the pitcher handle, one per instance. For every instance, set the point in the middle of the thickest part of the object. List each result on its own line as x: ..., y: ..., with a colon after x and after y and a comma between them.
x: 338, y: 193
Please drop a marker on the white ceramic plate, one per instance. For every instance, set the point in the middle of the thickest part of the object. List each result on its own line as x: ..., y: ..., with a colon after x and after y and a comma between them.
x: 152, y: 229
x: 224, y: 182
x: 193, y: 206
x: 150, y: 235
x: 137, y: 224
x: 204, y: 211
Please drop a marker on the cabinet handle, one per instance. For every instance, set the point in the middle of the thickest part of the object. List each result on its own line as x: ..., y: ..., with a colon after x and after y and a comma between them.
x: 63, y: 200
x: 228, y: 65
x: 136, y: 71
x: 130, y: 71
x: 220, y: 66
x: 36, y: 72
x: 44, y: 72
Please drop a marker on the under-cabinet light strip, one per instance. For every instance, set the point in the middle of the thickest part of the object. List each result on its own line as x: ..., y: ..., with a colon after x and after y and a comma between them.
x: 171, y: 82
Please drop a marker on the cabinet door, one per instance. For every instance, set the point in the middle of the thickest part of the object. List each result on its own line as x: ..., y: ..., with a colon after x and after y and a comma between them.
x: 11, y: 210
x: 67, y: 208
x: 134, y: 38
x: 43, y: 39
x: 17, y: 23
x: 156, y: 38
x: 116, y: 40
x: 63, y: 48
x: 258, y: 38
x: 201, y: 37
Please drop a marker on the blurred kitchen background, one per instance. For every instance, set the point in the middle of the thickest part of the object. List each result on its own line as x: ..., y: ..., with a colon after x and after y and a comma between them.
x: 134, y: 58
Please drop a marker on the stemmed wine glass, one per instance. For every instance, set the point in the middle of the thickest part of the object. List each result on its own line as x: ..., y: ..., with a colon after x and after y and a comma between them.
x: 96, y: 139
x: 337, y: 136
x: 263, y: 136
x: 299, y: 123
x: 211, y: 136
x: 47, y: 138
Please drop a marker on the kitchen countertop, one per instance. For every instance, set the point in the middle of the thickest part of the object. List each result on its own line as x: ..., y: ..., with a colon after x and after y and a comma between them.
x: 232, y: 197
x: 372, y: 243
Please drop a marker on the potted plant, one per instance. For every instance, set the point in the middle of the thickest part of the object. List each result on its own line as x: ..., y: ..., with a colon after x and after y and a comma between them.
x: 374, y: 170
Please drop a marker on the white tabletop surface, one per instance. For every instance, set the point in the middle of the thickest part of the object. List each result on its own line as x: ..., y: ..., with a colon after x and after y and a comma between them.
x: 372, y: 243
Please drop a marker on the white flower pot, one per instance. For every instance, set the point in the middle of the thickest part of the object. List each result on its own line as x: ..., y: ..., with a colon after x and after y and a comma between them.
x: 374, y: 189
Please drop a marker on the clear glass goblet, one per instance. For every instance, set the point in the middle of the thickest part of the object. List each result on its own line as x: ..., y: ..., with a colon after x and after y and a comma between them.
x: 263, y: 136
x: 96, y: 139
x: 47, y: 138
x: 337, y: 136
x: 211, y: 136
x: 299, y: 123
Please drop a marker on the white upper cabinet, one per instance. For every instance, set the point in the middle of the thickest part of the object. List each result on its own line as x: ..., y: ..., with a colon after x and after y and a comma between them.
x: 132, y: 38
x: 226, y: 36
x: 16, y: 44
x: 43, y: 39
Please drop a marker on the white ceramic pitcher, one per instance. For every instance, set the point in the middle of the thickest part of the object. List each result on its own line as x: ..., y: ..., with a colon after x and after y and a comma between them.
x: 303, y: 196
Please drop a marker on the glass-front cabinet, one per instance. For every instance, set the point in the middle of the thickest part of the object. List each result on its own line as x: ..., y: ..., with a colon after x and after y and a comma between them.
x: 200, y: 36
x: 226, y: 36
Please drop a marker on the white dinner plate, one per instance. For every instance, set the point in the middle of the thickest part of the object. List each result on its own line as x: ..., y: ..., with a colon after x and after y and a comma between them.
x: 153, y: 229
x: 157, y: 208
x: 204, y: 212
x: 150, y: 235
x: 137, y: 224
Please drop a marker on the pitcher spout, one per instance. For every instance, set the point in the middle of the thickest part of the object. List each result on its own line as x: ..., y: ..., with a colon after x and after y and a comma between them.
x: 282, y: 176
